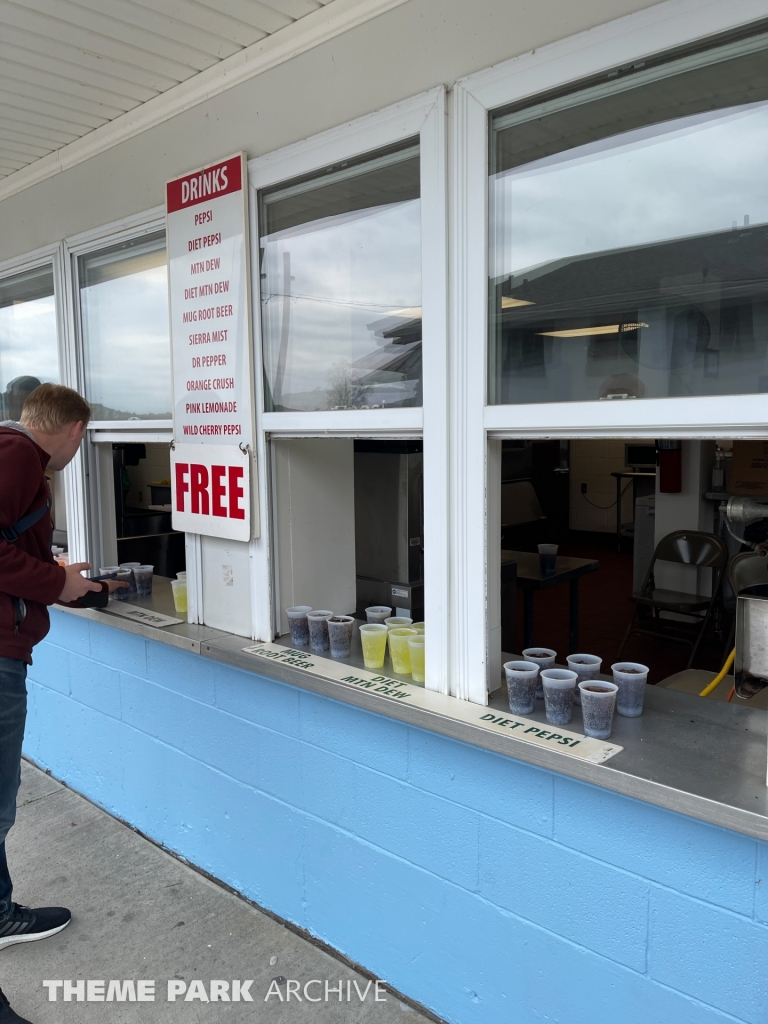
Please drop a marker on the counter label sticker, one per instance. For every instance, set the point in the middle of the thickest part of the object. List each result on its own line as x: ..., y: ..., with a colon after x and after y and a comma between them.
x: 210, y: 326
x: 149, y: 618
x: 525, y: 729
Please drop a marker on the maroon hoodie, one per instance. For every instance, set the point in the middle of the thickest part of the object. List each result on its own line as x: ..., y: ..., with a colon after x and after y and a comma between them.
x: 27, y: 567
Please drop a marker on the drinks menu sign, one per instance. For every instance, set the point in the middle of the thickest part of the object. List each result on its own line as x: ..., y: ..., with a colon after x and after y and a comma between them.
x: 208, y: 274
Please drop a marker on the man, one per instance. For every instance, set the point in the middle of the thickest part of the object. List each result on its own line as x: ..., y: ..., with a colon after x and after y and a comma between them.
x: 52, y: 426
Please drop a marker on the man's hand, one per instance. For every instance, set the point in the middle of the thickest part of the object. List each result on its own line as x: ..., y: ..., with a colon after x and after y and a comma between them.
x: 76, y: 585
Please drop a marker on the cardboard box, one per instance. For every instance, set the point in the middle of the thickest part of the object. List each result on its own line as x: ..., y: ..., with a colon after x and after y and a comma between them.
x: 749, y: 470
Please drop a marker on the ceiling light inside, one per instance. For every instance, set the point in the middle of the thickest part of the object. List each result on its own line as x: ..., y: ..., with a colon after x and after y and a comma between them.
x: 507, y: 302
x: 582, y: 332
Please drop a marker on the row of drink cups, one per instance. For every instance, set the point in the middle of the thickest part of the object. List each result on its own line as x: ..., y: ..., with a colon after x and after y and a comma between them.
x: 137, y: 576
x: 536, y: 677
x: 322, y: 630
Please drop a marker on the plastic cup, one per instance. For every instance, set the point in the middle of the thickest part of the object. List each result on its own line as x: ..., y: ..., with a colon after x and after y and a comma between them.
x: 106, y: 569
x: 396, y: 621
x: 181, y: 575
x: 318, y: 629
x: 123, y: 593
x: 340, y: 635
x: 131, y: 566
x: 418, y: 626
x: 586, y: 666
x: 143, y: 574
x: 298, y: 625
x: 630, y: 677
x: 373, y: 637
x: 559, y: 684
x: 522, y: 677
x: 416, y: 652
x: 399, y: 651
x: 179, y: 589
x: 598, y: 699
x: 544, y: 658
x: 547, y: 558
x: 378, y: 613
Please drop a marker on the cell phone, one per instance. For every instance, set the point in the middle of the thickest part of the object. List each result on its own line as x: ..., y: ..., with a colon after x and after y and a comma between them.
x: 106, y: 576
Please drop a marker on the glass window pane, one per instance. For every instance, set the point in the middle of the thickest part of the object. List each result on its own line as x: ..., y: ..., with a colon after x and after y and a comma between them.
x: 28, y: 339
x: 629, y: 237
x: 341, y: 287
x: 124, y: 310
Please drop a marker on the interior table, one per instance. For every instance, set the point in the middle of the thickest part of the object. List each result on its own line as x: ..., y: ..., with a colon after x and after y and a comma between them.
x: 531, y: 578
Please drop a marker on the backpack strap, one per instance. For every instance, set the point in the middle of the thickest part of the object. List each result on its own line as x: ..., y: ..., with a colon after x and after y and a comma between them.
x: 11, y: 533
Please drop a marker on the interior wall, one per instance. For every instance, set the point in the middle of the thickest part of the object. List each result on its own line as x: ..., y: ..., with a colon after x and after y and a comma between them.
x: 592, y: 461
x: 314, y: 496
x: 415, y: 47
x: 687, y: 510
x: 156, y: 467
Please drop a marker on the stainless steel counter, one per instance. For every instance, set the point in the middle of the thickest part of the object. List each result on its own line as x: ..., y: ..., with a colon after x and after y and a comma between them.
x: 703, y: 758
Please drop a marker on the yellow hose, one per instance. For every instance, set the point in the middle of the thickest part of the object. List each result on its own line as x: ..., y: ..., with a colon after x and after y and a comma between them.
x: 720, y: 675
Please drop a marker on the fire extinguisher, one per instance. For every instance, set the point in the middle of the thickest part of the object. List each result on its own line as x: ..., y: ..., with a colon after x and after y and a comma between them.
x: 670, y: 467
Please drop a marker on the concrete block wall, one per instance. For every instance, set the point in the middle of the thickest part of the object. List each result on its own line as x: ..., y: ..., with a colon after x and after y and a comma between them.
x: 488, y: 890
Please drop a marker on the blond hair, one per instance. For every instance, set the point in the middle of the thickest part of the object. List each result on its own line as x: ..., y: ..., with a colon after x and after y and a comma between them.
x: 52, y: 407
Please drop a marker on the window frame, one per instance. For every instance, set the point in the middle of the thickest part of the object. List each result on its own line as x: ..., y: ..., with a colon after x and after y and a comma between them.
x: 476, y: 427
x: 91, y: 482
x: 422, y: 116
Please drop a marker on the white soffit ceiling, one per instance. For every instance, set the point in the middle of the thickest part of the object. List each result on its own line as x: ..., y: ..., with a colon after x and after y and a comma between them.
x: 80, y: 76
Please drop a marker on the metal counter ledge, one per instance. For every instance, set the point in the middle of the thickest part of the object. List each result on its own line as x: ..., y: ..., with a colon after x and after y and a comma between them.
x: 702, y: 758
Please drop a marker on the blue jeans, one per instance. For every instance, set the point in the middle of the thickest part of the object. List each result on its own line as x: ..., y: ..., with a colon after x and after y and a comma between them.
x: 13, y: 715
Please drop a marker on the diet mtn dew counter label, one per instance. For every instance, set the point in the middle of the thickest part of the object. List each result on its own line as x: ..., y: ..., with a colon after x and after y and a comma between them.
x: 543, y: 735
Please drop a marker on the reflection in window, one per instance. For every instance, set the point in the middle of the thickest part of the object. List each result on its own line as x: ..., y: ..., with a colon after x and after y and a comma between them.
x: 629, y: 237
x: 341, y: 287
x: 28, y: 339
x: 124, y: 310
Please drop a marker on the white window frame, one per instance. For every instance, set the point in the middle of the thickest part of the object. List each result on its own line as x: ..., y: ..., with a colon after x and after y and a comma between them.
x: 53, y: 256
x: 476, y: 428
x: 93, y: 490
x: 422, y: 116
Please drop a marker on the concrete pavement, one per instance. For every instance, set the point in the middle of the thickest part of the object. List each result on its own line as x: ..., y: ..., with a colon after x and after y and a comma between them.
x: 139, y: 913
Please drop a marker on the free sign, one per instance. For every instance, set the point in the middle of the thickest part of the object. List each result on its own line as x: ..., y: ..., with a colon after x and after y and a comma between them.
x: 211, y: 492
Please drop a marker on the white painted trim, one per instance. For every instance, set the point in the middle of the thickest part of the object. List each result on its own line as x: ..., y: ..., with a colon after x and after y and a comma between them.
x: 383, y: 128
x: 128, y: 436
x: 704, y: 416
x: 649, y: 32
x: 29, y: 261
x: 303, y: 35
x: 435, y: 372
x: 145, y: 223
x: 468, y: 360
x: 345, y: 423
x: 132, y: 425
x: 263, y: 626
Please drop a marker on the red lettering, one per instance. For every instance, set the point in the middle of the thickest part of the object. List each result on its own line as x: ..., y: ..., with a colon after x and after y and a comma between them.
x: 235, y: 492
x: 217, y: 472
x: 200, y: 504
x: 182, y: 468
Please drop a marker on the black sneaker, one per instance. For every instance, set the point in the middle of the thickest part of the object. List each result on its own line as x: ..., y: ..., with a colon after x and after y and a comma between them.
x: 7, y: 1016
x: 25, y: 925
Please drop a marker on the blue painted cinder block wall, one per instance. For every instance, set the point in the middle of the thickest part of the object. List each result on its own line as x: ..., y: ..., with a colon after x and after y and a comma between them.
x: 487, y: 890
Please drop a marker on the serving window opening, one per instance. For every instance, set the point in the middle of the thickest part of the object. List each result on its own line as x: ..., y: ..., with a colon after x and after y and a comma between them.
x: 349, y: 536
x: 637, y: 551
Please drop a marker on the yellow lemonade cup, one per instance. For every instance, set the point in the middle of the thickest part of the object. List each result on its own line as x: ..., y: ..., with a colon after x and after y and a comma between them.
x: 418, y: 626
x: 416, y: 652
x: 373, y: 637
x: 398, y: 649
